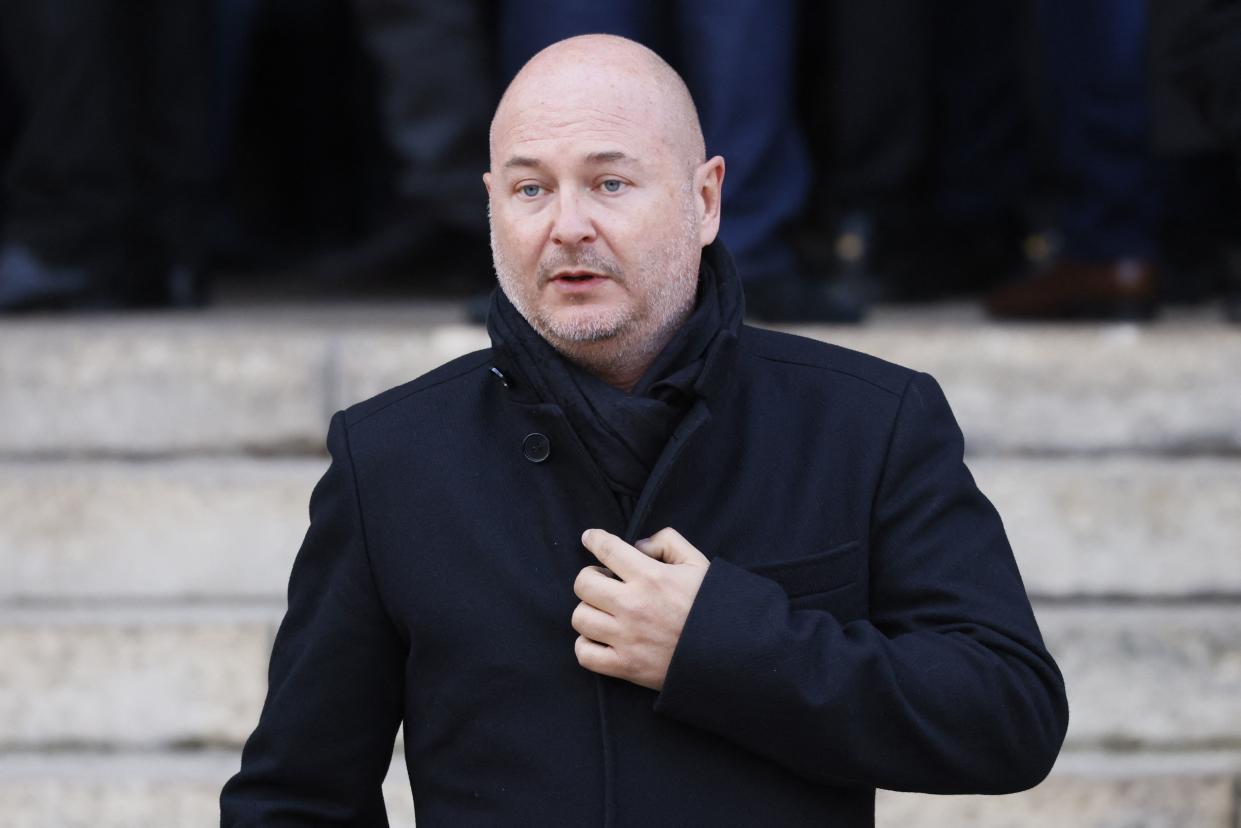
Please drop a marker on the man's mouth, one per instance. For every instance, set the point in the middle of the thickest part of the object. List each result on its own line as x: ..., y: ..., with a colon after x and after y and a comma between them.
x: 574, y: 281
x: 576, y: 276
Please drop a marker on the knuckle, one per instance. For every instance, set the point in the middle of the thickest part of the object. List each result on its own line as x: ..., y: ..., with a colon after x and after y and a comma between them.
x: 664, y: 534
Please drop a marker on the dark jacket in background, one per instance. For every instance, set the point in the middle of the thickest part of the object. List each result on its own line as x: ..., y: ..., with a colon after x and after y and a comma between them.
x: 1206, y: 64
x: 862, y: 623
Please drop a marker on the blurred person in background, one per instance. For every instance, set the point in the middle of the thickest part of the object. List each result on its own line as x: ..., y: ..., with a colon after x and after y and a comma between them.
x: 106, y: 184
x: 436, y: 90
x: 1094, y: 76
x: 10, y: 120
x: 352, y: 130
x: 968, y: 144
x: 1206, y: 65
x: 739, y: 60
x: 917, y: 117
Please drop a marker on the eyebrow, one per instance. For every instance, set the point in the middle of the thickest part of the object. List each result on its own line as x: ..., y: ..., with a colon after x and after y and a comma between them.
x: 522, y: 161
x: 605, y: 157
x: 609, y: 157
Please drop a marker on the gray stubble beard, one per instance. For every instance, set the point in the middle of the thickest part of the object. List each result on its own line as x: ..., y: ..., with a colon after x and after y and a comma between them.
x: 673, y: 270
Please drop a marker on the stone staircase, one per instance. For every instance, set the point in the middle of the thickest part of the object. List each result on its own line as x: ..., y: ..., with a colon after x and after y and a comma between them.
x: 155, y: 471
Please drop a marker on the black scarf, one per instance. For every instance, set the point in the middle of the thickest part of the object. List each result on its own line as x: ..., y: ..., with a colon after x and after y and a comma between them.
x: 625, y: 433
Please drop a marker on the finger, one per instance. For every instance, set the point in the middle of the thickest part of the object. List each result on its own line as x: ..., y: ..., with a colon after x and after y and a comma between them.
x: 598, y: 658
x: 599, y: 589
x: 617, y: 555
x: 670, y: 546
x: 594, y: 623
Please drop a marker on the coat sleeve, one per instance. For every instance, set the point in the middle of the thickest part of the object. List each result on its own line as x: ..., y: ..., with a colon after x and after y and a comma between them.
x: 945, y: 688
x: 335, y: 685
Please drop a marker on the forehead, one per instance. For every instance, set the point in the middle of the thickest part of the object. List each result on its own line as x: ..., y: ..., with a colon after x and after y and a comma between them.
x: 574, y: 120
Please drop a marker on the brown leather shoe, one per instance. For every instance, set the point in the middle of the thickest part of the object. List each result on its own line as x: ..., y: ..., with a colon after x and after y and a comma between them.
x: 1123, y: 289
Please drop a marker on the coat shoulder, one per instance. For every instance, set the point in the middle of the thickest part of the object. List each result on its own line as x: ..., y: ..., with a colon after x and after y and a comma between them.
x: 459, y: 369
x: 791, y: 349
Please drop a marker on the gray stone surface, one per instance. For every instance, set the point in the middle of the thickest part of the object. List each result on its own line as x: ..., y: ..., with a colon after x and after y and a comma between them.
x: 1149, y: 677
x: 183, y: 529
x: 136, y: 790
x: 159, y: 387
x: 1120, y: 526
x: 1073, y: 802
x: 116, y: 791
x: 212, y: 384
x: 127, y: 678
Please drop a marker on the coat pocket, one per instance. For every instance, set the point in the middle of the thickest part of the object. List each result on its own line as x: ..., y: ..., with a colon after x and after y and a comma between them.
x: 814, y: 575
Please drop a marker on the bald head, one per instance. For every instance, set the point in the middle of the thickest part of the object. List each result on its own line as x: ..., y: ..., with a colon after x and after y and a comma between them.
x: 617, y: 77
x: 600, y: 199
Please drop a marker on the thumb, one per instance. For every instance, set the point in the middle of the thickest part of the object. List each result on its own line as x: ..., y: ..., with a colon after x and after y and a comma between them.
x: 669, y: 546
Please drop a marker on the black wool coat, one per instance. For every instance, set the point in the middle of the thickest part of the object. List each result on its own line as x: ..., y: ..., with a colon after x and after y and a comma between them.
x: 862, y: 622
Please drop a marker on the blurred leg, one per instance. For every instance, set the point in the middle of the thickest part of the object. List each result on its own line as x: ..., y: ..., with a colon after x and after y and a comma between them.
x: 738, y: 59
x: 983, y: 144
x: 436, y: 97
x: 871, y: 89
x: 70, y: 178
x: 172, y: 71
x: 1098, y: 88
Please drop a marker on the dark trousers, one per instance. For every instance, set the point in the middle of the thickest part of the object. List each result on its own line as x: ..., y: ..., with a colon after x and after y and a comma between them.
x: 939, y: 92
x: 1098, y: 89
x: 436, y: 97
x: 110, y: 164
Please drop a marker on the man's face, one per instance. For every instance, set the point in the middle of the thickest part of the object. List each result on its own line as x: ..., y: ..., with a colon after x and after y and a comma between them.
x: 595, y: 229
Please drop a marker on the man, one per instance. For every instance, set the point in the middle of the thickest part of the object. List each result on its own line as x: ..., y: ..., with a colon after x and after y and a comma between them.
x: 822, y: 602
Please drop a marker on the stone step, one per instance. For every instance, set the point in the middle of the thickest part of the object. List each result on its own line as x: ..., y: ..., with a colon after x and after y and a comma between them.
x: 1149, y: 677
x: 1160, y: 678
x: 181, y: 790
x: 1089, y: 791
x: 1120, y: 526
x: 168, y: 530
x: 137, y: 790
x: 222, y: 529
x: 132, y: 678
x: 212, y: 383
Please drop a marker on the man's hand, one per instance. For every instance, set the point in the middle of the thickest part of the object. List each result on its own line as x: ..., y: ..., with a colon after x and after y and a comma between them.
x: 630, y: 621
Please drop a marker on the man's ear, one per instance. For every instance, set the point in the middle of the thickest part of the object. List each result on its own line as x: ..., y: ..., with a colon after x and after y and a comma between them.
x: 709, y: 189
x: 487, y: 182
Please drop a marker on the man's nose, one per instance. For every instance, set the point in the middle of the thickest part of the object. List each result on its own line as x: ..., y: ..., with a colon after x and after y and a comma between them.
x: 572, y: 224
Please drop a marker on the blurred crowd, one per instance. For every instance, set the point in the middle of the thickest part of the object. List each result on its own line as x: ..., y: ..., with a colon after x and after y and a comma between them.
x: 1053, y: 158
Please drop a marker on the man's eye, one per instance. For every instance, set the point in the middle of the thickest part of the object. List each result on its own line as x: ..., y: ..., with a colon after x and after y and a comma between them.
x: 531, y: 190
x: 612, y: 185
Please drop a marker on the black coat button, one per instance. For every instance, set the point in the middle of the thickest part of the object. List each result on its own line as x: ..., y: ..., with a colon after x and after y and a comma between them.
x: 536, y: 447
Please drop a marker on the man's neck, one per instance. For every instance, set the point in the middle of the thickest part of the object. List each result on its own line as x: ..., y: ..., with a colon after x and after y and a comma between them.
x: 621, y: 364
x: 620, y: 368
